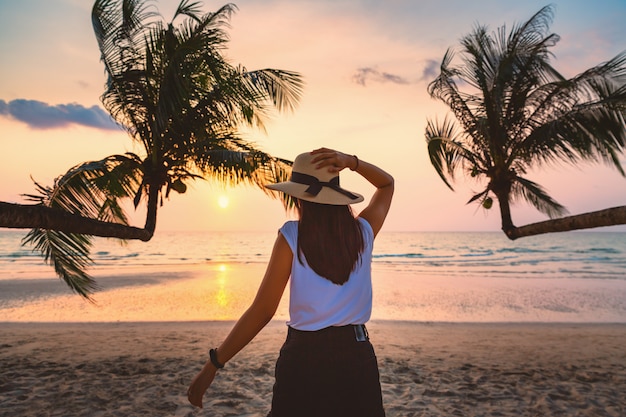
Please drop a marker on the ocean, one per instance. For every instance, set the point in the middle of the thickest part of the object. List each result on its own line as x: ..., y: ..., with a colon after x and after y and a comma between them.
x: 418, y: 276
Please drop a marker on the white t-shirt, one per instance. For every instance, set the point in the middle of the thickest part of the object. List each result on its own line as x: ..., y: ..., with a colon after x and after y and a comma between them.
x: 316, y: 302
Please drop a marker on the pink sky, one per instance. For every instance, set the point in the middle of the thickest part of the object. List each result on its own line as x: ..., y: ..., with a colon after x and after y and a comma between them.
x: 50, y: 55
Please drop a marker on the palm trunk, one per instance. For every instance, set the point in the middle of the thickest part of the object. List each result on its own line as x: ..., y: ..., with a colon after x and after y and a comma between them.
x: 607, y: 217
x: 29, y: 216
x: 505, y: 213
x: 153, y: 204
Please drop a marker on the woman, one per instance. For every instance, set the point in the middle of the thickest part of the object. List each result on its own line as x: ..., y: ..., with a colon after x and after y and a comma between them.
x: 327, y: 366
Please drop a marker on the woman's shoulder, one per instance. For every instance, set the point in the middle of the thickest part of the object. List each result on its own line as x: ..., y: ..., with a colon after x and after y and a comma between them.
x: 366, y: 227
x: 365, y: 224
x: 289, y: 230
x: 289, y: 225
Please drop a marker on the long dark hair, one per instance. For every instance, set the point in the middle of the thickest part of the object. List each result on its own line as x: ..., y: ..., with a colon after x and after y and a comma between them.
x: 330, y: 239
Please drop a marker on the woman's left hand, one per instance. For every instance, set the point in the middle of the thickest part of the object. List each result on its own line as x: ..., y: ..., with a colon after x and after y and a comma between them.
x: 201, y: 382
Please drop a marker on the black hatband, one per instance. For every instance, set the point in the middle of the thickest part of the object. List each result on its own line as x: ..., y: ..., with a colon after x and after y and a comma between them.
x: 315, y: 185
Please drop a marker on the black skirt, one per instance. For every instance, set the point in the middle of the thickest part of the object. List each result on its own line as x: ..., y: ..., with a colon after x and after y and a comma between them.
x: 326, y: 373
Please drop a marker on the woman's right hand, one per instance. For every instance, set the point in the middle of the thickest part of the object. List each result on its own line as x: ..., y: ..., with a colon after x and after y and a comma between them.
x: 200, y: 383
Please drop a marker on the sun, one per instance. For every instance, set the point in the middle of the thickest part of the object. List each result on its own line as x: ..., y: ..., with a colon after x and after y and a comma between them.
x: 223, y: 201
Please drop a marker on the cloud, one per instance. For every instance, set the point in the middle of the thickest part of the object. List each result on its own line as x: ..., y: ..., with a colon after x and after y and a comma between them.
x: 40, y: 115
x: 366, y: 74
x: 431, y: 70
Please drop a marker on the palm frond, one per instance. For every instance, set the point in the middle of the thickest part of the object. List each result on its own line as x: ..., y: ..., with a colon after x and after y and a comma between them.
x: 283, y: 88
x: 188, y: 8
x: 93, y: 190
x: 529, y: 33
x: 477, y: 196
x: 445, y: 152
x: 69, y: 255
x: 243, y: 163
x: 235, y: 162
x: 445, y: 88
x: 581, y: 118
x: 534, y: 194
x: 120, y: 27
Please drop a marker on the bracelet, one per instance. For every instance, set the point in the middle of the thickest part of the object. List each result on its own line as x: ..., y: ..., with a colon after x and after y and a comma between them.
x: 357, y: 163
x: 214, y: 361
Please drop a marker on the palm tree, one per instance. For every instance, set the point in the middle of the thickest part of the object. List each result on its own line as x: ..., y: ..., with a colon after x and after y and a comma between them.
x: 172, y: 90
x: 515, y: 112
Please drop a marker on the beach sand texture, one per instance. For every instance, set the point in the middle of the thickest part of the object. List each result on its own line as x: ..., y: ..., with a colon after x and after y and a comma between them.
x: 438, y: 369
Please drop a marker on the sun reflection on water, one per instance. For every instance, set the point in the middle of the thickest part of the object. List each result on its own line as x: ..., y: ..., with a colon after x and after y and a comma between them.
x: 214, y: 291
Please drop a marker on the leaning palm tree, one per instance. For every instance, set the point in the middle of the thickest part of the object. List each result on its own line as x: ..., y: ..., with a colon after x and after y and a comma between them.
x: 171, y: 89
x: 514, y: 112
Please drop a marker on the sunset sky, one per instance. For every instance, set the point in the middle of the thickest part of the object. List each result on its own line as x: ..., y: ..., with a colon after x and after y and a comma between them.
x: 366, y: 65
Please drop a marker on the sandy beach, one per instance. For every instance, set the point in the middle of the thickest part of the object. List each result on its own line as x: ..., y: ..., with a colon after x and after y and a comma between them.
x: 135, y: 349
x: 427, y: 369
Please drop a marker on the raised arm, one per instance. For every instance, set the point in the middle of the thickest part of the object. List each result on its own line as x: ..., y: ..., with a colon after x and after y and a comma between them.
x: 378, y: 207
x: 252, y: 321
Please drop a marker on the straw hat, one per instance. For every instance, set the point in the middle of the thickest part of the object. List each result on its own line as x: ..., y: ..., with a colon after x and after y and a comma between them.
x: 316, y: 185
